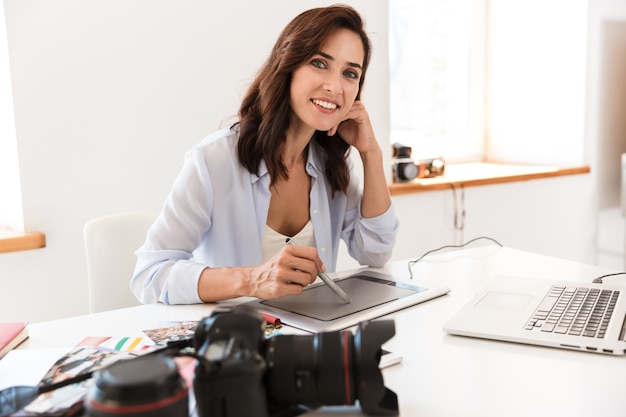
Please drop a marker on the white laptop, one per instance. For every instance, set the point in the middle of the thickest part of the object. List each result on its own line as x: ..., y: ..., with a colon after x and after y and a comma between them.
x: 564, y: 314
x: 371, y: 294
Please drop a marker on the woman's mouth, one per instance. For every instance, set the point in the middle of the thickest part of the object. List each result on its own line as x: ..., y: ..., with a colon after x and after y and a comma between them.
x: 325, y: 104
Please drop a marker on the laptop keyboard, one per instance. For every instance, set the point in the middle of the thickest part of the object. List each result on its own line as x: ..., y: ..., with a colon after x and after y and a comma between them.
x: 575, y: 310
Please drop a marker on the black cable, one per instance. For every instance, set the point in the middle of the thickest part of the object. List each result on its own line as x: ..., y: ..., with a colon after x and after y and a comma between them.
x: 598, y: 280
x: 413, y: 262
x: 459, y: 216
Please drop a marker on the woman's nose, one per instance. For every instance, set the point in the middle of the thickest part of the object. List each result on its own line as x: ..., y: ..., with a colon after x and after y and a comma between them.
x: 332, y: 84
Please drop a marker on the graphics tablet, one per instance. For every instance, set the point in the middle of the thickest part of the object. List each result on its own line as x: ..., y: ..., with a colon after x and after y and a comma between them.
x: 371, y: 295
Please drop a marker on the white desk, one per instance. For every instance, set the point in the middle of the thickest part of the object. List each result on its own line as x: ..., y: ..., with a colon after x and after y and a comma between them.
x: 441, y: 375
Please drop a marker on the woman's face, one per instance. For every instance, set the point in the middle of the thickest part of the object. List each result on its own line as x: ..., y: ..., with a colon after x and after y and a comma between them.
x: 324, y: 88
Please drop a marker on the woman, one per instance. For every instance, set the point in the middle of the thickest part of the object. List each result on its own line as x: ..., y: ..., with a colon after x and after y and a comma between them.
x: 282, y: 171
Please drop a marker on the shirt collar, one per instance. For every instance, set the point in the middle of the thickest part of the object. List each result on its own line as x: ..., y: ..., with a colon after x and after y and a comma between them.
x: 313, y: 163
x: 262, y: 172
x: 314, y: 159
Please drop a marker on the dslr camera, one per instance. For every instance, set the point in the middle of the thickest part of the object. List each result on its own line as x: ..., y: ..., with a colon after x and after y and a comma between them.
x: 241, y: 373
x: 405, y: 169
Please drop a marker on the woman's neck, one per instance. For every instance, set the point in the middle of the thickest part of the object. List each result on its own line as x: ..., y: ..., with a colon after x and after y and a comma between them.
x: 296, y: 145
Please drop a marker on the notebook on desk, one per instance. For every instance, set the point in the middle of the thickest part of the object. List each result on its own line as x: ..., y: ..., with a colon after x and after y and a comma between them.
x: 371, y: 295
x: 564, y: 314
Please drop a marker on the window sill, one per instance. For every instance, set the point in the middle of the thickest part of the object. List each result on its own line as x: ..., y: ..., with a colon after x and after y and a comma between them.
x: 12, y: 241
x: 482, y: 173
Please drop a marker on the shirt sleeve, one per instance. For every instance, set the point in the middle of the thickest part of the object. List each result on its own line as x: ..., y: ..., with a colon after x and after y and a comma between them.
x: 369, y: 240
x: 165, y: 271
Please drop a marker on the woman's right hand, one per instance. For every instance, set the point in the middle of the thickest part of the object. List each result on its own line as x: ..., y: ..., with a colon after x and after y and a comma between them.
x: 286, y: 273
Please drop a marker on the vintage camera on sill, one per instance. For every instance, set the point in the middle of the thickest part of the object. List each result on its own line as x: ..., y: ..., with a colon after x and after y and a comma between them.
x: 404, y: 168
x: 280, y: 373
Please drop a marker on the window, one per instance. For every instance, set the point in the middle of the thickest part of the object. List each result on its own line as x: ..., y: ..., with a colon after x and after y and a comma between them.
x: 436, y: 55
x: 489, y: 80
x: 11, y: 213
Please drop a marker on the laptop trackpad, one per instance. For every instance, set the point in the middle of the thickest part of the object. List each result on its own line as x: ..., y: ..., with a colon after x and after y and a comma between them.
x: 504, y: 301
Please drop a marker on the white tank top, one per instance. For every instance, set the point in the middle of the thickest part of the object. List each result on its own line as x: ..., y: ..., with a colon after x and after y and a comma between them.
x: 273, y: 241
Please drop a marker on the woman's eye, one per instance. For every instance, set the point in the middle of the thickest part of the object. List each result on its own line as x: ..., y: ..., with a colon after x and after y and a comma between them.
x: 318, y: 64
x: 351, y: 74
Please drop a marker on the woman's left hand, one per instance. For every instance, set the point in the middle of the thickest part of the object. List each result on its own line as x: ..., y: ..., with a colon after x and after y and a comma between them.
x: 356, y: 129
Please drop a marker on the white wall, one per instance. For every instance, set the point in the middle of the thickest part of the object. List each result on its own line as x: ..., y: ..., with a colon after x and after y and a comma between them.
x: 110, y: 94
x: 548, y: 216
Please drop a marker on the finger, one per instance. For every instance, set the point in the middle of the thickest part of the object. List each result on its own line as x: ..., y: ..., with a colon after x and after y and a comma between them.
x: 300, y: 278
x: 291, y: 289
x: 280, y: 288
x: 304, y: 259
x: 357, y: 105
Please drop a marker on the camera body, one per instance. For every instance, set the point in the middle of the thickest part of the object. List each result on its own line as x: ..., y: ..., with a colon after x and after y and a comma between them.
x: 404, y: 168
x: 287, y: 371
x: 239, y: 372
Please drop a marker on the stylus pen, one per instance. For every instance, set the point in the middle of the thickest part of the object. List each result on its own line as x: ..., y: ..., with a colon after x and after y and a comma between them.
x: 333, y: 286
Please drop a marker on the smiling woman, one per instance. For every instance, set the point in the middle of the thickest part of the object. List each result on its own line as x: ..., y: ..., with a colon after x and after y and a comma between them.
x: 283, y: 169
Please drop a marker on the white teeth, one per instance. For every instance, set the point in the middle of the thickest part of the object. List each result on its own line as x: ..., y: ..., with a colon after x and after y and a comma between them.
x: 325, y: 104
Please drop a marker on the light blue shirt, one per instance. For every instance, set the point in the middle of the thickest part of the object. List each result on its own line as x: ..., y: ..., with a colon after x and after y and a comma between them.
x: 216, y: 212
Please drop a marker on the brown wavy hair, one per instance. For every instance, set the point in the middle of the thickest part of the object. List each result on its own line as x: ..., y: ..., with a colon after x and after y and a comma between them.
x: 265, y: 111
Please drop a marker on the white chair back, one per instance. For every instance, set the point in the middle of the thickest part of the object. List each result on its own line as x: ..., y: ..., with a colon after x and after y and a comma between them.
x: 110, y: 245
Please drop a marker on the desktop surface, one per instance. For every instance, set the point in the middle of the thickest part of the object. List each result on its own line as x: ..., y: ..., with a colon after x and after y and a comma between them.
x: 440, y: 374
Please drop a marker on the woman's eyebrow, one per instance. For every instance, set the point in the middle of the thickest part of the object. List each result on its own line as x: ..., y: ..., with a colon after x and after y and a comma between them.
x: 330, y: 58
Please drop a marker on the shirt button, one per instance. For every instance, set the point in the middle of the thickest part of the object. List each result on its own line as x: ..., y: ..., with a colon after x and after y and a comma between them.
x: 323, y: 249
x: 315, y: 211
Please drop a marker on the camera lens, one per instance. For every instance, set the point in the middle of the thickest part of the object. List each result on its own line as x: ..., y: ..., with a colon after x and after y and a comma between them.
x: 317, y: 369
x: 147, y: 386
x: 335, y: 368
x: 407, y: 170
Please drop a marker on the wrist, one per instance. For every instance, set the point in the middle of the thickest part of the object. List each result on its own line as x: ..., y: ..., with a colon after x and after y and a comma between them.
x: 244, y: 287
x: 373, y: 155
x: 225, y: 283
